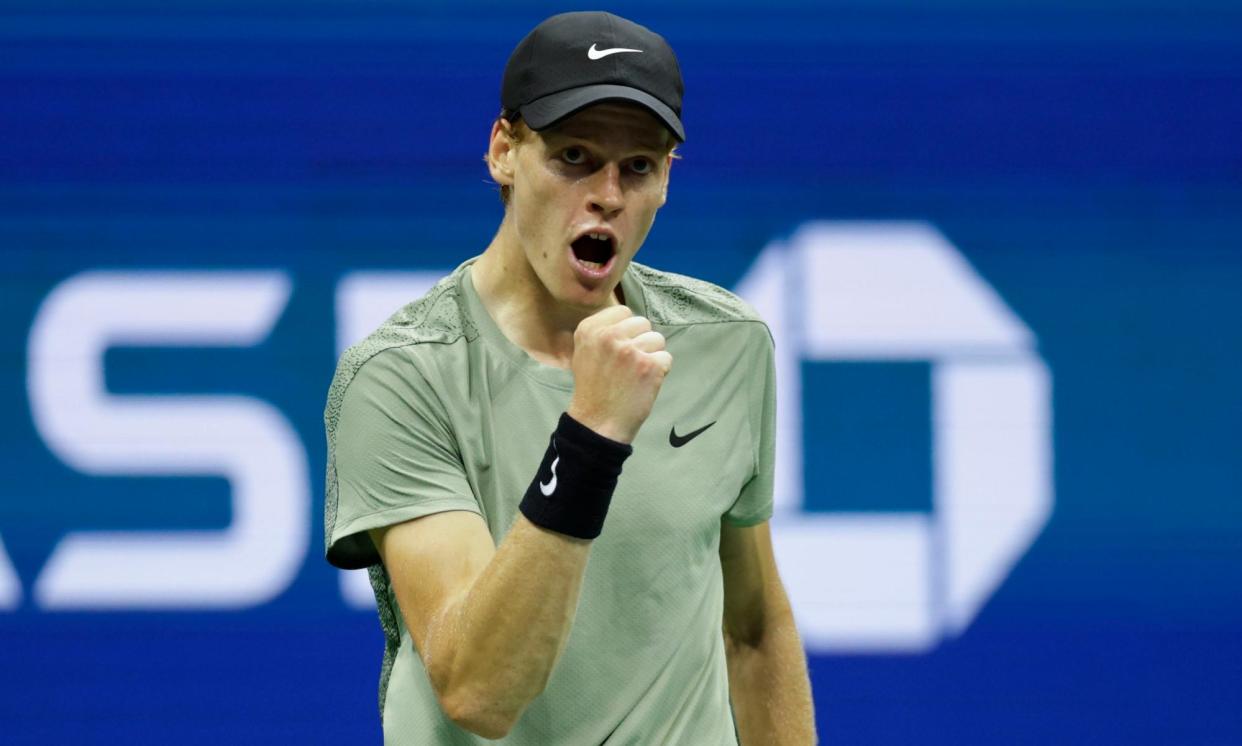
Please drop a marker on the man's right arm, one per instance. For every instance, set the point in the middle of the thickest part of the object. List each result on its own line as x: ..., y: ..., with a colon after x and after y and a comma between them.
x: 490, y: 622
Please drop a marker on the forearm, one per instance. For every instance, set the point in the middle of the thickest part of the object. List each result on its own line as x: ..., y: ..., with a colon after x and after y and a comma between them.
x: 493, y: 649
x: 769, y: 686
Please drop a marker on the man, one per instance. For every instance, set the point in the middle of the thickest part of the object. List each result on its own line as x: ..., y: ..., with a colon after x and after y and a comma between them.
x: 476, y: 443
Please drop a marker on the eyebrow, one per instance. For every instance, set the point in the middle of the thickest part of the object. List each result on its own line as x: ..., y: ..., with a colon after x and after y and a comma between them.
x: 581, y: 133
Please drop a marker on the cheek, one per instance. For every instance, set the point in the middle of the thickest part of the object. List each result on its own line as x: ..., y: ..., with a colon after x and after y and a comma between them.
x: 545, y: 205
x: 648, y: 213
x: 535, y: 216
x: 526, y: 200
x: 643, y: 221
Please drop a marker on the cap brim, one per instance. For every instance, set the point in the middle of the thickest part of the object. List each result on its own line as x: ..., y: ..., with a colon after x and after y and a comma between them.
x: 547, y: 111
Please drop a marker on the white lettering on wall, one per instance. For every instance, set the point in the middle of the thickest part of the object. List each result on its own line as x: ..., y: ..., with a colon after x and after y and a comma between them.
x: 243, y: 439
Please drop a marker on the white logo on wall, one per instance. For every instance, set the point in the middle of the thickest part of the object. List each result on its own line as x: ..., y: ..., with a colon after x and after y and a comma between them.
x: 833, y: 292
x: 901, y: 292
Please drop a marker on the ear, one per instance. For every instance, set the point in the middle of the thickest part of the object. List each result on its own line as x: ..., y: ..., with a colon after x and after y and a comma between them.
x: 668, y: 167
x: 500, y: 153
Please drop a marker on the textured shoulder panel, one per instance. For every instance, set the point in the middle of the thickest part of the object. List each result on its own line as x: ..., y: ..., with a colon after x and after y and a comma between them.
x: 437, y: 317
x: 678, y: 300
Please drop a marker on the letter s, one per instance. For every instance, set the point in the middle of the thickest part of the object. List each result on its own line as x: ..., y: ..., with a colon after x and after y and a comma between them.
x: 243, y: 439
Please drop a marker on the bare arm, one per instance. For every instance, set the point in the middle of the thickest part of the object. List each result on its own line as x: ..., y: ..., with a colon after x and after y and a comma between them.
x: 768, y: 679
x: 488, y: 622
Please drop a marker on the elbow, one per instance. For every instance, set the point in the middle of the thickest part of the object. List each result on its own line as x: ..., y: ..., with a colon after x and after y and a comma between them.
x: 736, y: 646
x: 485, y: 707
x: 485, y: 703
x: 468, y: 705
x: 744, y: 634
x: 479, y: 714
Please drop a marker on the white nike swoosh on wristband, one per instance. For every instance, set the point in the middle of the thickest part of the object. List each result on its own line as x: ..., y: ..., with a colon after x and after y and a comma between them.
x: 550, y: 487
x: 598, y: 54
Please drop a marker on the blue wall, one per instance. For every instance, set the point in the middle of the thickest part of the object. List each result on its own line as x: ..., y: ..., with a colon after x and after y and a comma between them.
x: 1084, y: 157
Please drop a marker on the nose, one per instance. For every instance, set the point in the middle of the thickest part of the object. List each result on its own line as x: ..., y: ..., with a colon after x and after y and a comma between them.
x: 606, y: 195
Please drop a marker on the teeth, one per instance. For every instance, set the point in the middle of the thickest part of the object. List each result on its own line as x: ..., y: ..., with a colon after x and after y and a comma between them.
x: 592, y: 265
x: 598, y: 236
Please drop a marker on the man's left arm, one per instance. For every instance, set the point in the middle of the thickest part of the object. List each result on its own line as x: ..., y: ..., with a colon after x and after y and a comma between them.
x: 768, y: 679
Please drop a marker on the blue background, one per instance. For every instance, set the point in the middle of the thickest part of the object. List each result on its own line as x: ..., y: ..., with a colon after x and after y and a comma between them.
x: 1086, y: 157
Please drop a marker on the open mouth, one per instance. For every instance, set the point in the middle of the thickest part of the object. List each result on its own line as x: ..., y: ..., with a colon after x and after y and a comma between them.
x: 593, y: 252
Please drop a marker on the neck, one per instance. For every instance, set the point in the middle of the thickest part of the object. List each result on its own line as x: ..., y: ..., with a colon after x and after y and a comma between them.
x: 520, y: 304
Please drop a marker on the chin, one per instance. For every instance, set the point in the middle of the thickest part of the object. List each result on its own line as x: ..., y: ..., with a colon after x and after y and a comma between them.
x: 589, y: 299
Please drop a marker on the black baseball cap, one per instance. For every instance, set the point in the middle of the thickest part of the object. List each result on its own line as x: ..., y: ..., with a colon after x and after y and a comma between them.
x: 574, y: 60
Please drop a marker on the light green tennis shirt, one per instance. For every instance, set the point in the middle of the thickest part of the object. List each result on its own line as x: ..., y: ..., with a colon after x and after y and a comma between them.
x: 437, y: 410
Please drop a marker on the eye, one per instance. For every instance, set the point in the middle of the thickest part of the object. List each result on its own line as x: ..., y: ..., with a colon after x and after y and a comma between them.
x: 573, y: 156
x: 642, y: 166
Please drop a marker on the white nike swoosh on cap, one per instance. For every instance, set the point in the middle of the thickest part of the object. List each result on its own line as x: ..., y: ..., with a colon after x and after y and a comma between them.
x: 597, y: 54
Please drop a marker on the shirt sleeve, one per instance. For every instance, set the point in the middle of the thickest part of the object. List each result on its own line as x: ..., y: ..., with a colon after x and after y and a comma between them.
x: 754, y: 502
x: 392, y: 457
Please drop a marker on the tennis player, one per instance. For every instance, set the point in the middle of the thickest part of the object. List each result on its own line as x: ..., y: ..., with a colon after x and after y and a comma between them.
x: 557, y: 465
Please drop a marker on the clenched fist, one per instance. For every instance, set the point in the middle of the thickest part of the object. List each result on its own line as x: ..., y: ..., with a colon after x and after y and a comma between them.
x: 619, y: 364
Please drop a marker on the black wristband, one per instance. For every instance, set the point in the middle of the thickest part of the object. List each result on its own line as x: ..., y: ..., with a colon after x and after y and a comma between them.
x: 573, y: 487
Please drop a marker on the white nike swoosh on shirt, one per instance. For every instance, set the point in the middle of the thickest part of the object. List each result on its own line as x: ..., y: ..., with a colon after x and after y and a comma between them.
x: 597, y: 54
x: 550, y: 487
